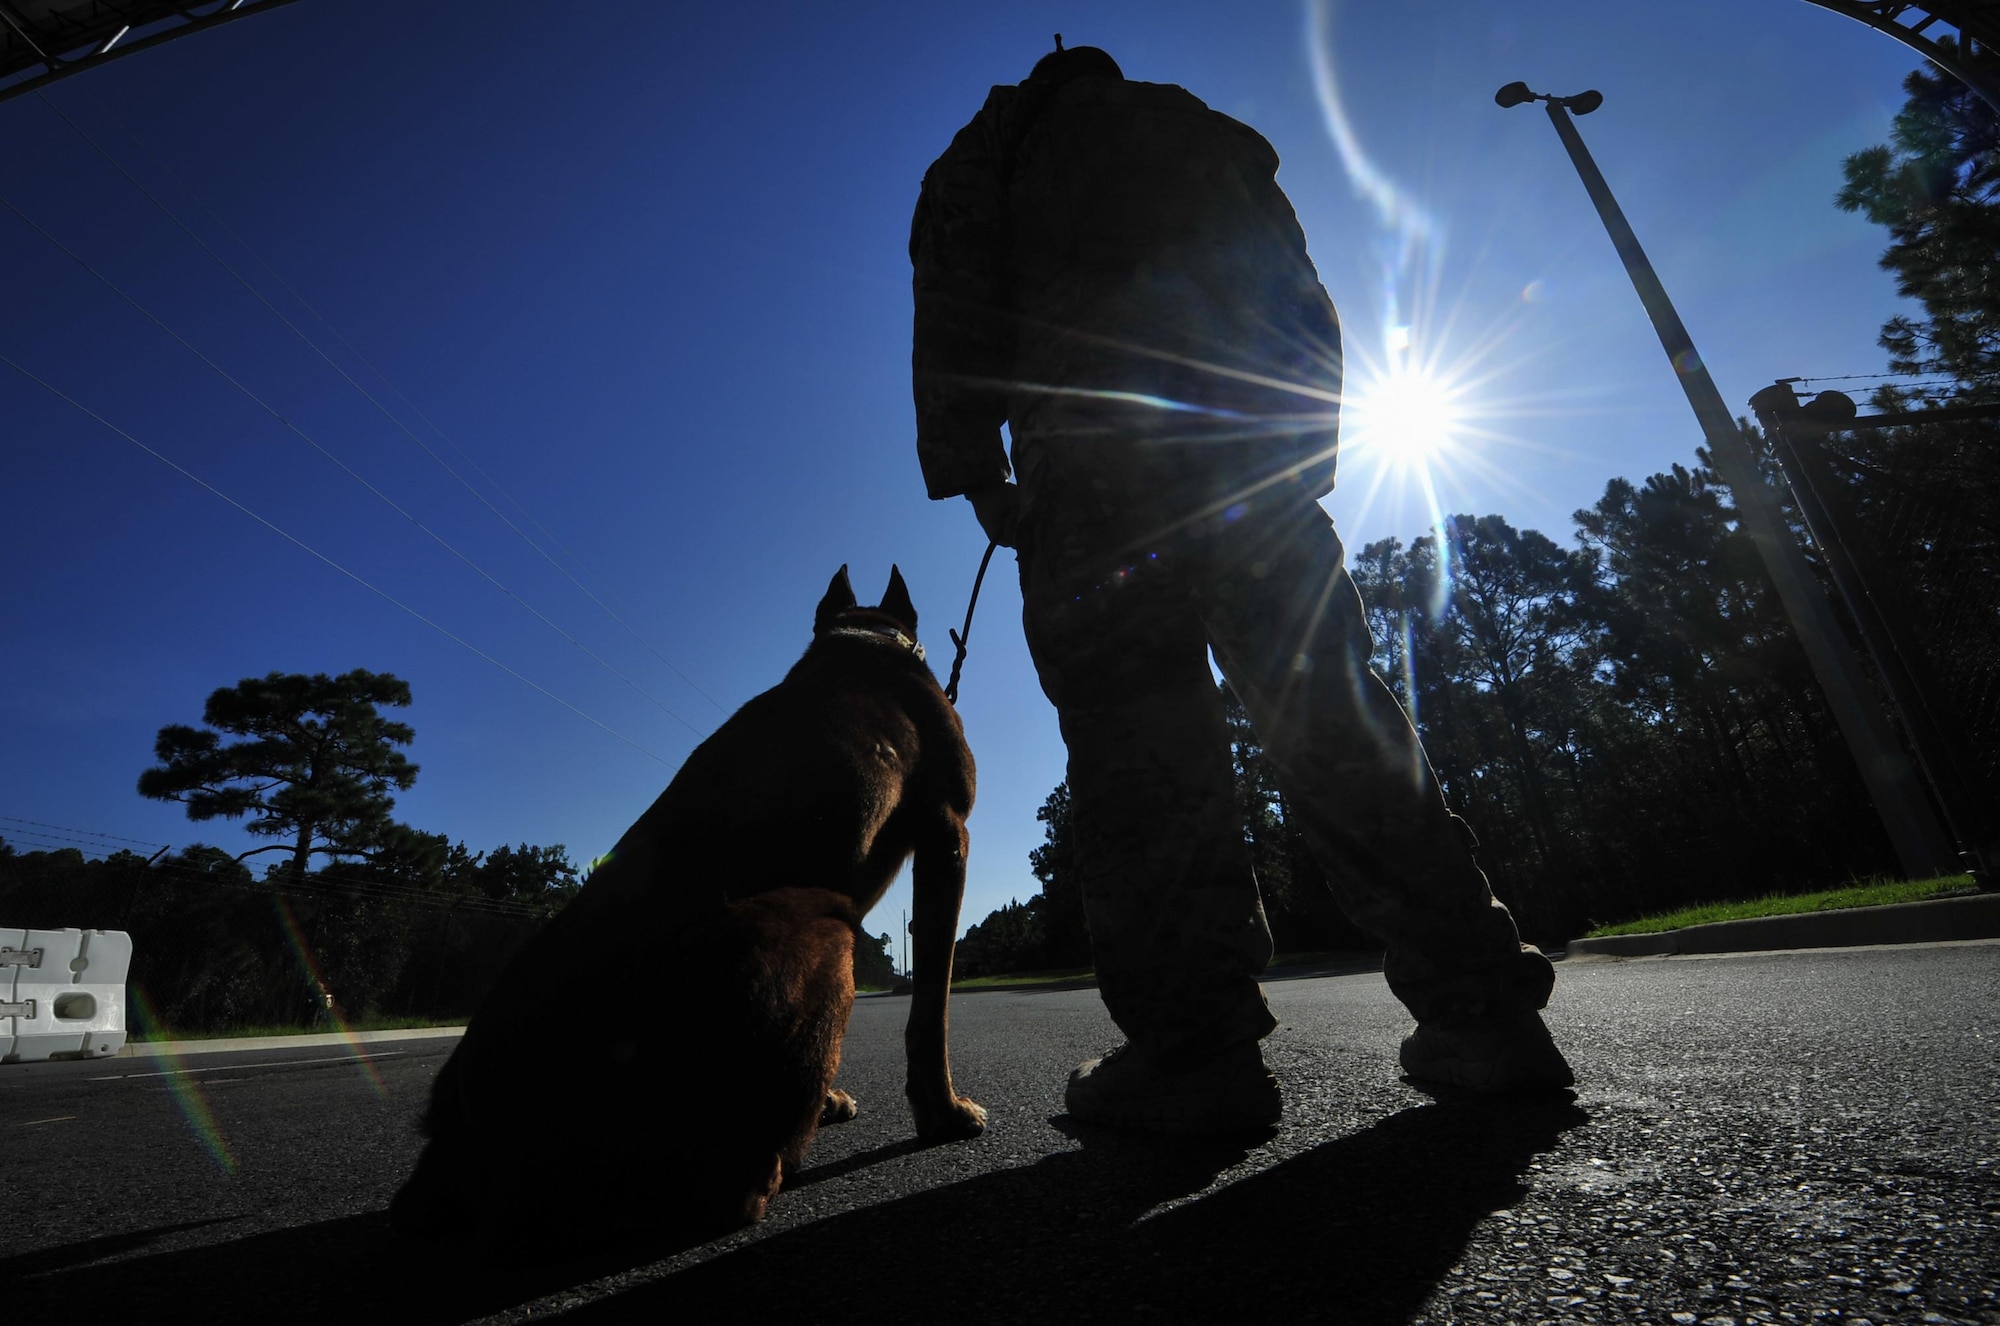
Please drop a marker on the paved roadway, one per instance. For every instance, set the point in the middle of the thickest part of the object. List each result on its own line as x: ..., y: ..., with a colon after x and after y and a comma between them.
x: 1788, y: 1137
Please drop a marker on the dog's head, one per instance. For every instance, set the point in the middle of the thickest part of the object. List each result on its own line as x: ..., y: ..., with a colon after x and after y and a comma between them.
x: 894, y: 617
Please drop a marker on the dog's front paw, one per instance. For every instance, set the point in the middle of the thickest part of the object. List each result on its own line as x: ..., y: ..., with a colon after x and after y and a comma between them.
x: 953, y: 1122
x: 839, y: 1107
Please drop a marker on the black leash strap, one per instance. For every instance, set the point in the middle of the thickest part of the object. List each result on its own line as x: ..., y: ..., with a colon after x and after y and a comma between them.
x: 958, y: 638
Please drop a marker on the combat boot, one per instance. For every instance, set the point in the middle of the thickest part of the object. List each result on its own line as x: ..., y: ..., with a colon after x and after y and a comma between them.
x: 1496, y: 1054
x: 1230, y: 1092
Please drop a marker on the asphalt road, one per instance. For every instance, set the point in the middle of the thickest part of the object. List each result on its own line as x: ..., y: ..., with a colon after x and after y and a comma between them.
x: 1784, y: 1137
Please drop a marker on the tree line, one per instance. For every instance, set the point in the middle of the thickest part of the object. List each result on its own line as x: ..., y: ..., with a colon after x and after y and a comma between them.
x: 215, y: 947
x: 1629, y: 724
x: 391, y: 921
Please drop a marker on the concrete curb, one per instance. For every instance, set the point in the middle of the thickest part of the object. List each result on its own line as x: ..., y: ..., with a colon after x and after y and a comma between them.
x: 174, y: 1049
x: 1975, y: 917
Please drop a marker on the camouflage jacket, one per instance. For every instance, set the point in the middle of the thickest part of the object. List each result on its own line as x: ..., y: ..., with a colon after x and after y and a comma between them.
x: 1113, y: 258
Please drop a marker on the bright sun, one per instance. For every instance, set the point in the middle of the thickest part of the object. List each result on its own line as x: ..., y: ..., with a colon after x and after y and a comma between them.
x: 1406, y: 418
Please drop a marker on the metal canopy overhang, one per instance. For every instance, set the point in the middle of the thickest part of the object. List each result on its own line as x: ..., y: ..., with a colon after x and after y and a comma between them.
x: 45, y: 40
x: 1916, y: 26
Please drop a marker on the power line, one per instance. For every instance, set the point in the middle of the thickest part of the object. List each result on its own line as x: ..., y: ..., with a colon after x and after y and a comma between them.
x: 93, y: 842
x: 349, y: 379
x: 112, y: 837
x: 308, y: 439
x: 1928, y: 379
x: 41, y: 840
x: 289, y: 537
x: 583, y: 588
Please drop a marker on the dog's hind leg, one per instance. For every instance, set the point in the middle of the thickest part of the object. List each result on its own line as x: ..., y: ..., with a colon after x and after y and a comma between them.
x: 782, y: 1045
x: 937, y: 882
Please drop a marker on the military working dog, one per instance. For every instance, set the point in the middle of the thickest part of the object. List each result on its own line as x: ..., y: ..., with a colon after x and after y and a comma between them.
x: 663, y: 1052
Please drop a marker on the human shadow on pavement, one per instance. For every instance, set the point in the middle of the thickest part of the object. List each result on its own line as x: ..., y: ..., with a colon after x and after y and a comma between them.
x: 1365, y: 1226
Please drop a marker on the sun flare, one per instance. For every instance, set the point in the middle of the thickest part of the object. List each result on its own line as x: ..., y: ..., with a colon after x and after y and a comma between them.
x: 1407, y: 418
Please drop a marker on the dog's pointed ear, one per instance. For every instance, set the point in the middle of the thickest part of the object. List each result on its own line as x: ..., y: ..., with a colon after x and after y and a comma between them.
x: 839, y: 598
x: 896, y: 600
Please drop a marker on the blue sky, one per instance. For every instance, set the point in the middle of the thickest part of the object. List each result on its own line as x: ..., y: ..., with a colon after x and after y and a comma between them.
x: 648, y: 280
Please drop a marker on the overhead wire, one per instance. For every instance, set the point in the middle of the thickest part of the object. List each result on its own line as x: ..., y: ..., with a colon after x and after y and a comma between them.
x: 581, y: 587
x: 288, y: 536
x: 64, y: 831
x: 349, y: 378
x: 1930, y: 378
x: 349, y: 470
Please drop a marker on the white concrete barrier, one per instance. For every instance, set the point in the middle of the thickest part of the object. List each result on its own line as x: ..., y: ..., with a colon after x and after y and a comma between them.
x: 62, y: 993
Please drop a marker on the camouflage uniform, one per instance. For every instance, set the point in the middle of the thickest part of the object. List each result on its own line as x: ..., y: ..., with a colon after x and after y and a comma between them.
x: 1110, y: 268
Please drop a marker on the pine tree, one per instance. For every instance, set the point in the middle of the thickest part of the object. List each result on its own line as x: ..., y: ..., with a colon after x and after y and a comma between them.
x: 1936, y: 187
x: 316, y: 765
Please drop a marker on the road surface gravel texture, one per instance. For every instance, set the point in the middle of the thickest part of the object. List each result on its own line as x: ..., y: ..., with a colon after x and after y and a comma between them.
x: 1803, y: 1137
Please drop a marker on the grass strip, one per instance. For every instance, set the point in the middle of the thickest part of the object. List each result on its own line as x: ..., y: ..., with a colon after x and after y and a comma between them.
x: 1024, y: 978
x: 1865, y: 893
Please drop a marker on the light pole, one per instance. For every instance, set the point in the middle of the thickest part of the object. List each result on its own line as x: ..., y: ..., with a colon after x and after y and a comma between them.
x: 1920, y: 842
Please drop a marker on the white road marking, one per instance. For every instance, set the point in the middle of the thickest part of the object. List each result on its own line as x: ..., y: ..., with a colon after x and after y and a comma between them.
x: 279, y: 1063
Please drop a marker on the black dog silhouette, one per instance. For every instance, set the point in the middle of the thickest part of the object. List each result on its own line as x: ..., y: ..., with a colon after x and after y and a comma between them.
x: 665, y: 1049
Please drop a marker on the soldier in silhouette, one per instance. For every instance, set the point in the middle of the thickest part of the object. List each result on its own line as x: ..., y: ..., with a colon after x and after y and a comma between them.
x: 1109, y: 269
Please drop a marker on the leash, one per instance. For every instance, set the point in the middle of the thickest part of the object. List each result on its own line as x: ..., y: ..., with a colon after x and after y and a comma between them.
x: 958, y: 638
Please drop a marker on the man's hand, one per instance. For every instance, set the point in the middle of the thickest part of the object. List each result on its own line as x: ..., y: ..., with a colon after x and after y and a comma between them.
x: 998, y: 506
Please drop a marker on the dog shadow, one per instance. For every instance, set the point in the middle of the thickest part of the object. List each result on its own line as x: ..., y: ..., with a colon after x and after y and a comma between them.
x: 353, y: 1269
x: 840, y: 1169
x: 1367, y: 1224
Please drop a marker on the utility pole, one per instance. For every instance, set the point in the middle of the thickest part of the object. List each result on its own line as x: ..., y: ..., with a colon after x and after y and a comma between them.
x: 1921, y: 845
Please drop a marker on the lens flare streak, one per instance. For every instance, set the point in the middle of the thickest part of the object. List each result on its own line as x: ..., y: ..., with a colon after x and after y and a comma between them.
x: 323, y: 995
x: 184, y: 1088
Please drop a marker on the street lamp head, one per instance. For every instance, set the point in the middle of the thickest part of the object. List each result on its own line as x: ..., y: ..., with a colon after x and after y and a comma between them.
x: 1519, y: 94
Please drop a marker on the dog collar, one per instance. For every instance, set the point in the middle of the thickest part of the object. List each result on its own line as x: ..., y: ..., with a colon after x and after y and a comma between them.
x: 886, y: 634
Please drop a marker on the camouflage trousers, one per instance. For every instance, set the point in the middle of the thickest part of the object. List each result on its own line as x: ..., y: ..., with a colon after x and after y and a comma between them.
x: 1121, y: 611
